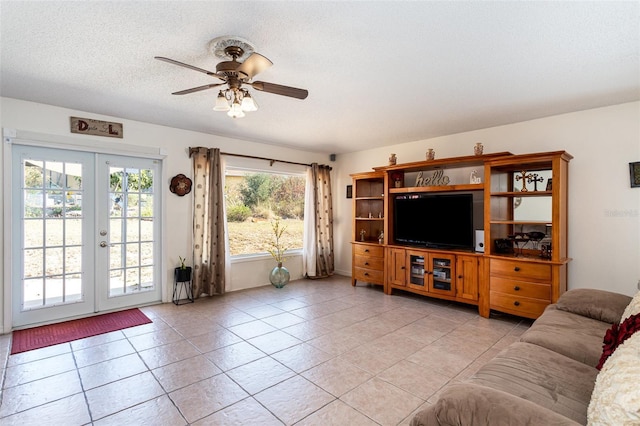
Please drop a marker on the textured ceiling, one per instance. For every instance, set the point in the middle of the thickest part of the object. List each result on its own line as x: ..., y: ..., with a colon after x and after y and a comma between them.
x: 378, y: 73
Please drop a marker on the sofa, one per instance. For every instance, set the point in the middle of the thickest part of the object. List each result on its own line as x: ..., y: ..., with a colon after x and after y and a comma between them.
x: 549, y: 376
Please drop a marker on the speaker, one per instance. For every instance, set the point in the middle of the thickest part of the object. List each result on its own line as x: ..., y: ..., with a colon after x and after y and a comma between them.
x: 480, y: 240
x: 332, y: 157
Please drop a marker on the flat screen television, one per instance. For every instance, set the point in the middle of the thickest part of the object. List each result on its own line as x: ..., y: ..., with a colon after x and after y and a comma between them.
x: 434, y: 220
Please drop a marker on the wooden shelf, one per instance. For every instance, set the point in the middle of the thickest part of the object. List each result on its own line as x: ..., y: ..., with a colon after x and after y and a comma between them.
x: 455, y: 162
x: 440, y: 188
x: 521, y: 222
x: 525, y: 264
x: 522, y: 194
x: 369, y: 198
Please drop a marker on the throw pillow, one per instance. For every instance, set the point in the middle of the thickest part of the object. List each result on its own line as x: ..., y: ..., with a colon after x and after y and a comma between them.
x: 597, y: 304
x: 632, y: 308
x: 616, y: 335
x: 615, y: 399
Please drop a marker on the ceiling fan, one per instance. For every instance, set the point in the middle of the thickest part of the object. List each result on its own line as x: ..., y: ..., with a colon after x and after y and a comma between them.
x: 241, y: 64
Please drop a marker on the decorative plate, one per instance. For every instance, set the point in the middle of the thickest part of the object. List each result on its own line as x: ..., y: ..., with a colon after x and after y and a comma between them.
x: 180, y: 185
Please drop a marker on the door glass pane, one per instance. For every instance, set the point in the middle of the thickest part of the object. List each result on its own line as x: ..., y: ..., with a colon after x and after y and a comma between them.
x: 73, y: 286
x: 73, y: 256
x: 73, y: 232
x: 131, y: 230
x: 54, y: 261
x: 33, y: 233
x: 52, y: 248
x: 133, y: 233
x: 53, y: 290
x: 33, y: 291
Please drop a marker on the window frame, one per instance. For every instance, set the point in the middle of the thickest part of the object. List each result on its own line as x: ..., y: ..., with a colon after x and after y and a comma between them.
x: 248, y: 165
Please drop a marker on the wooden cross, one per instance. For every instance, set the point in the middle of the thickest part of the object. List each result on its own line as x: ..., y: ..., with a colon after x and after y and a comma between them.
x: 535, y: 179
x: 524, y: 176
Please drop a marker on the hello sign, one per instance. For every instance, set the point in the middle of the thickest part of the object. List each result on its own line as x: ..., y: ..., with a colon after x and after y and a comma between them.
x: 436, y: 179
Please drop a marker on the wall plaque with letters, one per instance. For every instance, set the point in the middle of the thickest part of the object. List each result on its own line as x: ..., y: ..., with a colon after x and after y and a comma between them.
x: 89, y: 126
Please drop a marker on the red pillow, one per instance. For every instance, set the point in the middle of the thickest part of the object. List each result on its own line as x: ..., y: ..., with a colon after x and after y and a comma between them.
x: 616, y: 335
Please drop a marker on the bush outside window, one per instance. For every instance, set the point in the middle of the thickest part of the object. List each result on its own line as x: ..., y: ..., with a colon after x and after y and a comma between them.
x: 253, y: 200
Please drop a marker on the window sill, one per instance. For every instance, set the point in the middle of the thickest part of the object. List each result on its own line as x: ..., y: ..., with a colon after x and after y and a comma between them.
x: 243, y: 258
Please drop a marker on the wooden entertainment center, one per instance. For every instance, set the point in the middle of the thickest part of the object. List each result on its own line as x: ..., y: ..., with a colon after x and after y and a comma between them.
x: 523, y: 267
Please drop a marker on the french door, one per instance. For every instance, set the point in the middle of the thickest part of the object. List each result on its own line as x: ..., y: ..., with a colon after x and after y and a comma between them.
x: 86, y: 233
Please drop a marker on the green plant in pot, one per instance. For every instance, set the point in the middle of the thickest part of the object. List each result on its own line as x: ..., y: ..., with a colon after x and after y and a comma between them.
x: 183, y: 272
x: 279, y: 276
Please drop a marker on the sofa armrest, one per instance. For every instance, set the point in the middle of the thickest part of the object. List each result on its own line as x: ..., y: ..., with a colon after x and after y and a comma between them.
x: 469, y: 404
x: 597, y: 304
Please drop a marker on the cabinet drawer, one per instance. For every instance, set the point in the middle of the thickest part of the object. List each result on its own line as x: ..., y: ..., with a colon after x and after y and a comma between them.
x: 366, y: 262
x: 369, y: 275
x: 517, y: 305
x: 521, y: 288
x: 366, y: 250
x: 520, y: 270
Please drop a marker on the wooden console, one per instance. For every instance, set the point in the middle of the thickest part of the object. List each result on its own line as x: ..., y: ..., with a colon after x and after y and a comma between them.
x: 513, y: 275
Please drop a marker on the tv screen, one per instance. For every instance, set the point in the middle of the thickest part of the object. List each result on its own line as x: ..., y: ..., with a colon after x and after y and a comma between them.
x: 438, y: 221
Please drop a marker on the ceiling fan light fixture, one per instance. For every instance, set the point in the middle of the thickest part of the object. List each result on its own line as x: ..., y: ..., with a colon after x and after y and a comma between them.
x: 236, y: 110
x: 221, y: 103
x: 248, y: 104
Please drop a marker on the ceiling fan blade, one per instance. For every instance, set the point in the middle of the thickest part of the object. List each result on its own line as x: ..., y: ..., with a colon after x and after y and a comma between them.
x: 191, y: 67
x: 254, y: 64
x: 197, y: 89
x: 280, y: 90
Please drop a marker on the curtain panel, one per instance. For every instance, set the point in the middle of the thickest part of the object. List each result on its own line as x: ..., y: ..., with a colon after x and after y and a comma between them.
x: 209, y: 223
x: 318, y: 257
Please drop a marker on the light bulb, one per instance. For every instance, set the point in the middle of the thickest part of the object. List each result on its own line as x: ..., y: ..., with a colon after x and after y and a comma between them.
x: 236, y: 110
x: 221, y: 103
x: 248, y: 103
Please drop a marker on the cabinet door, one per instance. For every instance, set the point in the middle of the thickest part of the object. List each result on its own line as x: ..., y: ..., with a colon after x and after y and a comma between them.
x: 416, y: 272
x: 397, y: 267
x: 467, y: 277
x: 442, y: 273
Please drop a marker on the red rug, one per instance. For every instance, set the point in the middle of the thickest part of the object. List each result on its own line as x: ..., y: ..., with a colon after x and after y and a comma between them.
x: 53, y: 334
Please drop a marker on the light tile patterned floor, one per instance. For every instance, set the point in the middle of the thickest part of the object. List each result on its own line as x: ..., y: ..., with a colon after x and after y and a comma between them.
x: 313, y: 353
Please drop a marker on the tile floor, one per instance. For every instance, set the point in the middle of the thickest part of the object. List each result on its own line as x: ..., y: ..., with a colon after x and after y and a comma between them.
x: 313, y: 353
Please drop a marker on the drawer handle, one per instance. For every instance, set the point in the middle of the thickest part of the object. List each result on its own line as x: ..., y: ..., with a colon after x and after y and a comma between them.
x: 459, y: 277
x: 366, y: 263
x: 366, y: 250
x: 516, y: 288
x: 403, y: 267
x: 366, y: 274
x: 517, y: 269
x: 516, y: 303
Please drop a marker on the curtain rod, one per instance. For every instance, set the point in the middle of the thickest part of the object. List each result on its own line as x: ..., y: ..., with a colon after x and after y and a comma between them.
x: 270, y: 160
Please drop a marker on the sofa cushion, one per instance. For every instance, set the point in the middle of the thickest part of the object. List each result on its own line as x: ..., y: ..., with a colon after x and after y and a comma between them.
x: 597, y: 304
x: 572, y: 335
x: 632, y: 308
x: 542, y: 376
x: 469, y: 404
x: 616, y: 399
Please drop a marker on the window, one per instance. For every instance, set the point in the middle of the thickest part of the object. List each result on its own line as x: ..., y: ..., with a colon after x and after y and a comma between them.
x: 254, y: 199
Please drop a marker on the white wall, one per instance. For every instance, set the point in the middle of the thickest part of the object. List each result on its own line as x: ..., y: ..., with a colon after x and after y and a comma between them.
x: 50, y: 120
x: 604, y: 225
x: 604, y: 211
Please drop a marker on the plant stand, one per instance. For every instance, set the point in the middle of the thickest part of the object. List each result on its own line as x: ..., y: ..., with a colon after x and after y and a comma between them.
x: 182, y: 283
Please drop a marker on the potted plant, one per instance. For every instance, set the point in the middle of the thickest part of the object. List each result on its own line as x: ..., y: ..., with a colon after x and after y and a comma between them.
x: 182, y: 272
x: 279, y: 276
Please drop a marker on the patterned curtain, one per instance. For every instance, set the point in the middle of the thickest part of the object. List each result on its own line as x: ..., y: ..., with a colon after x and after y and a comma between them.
x: 209, y: 255
x: 318, y: 253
